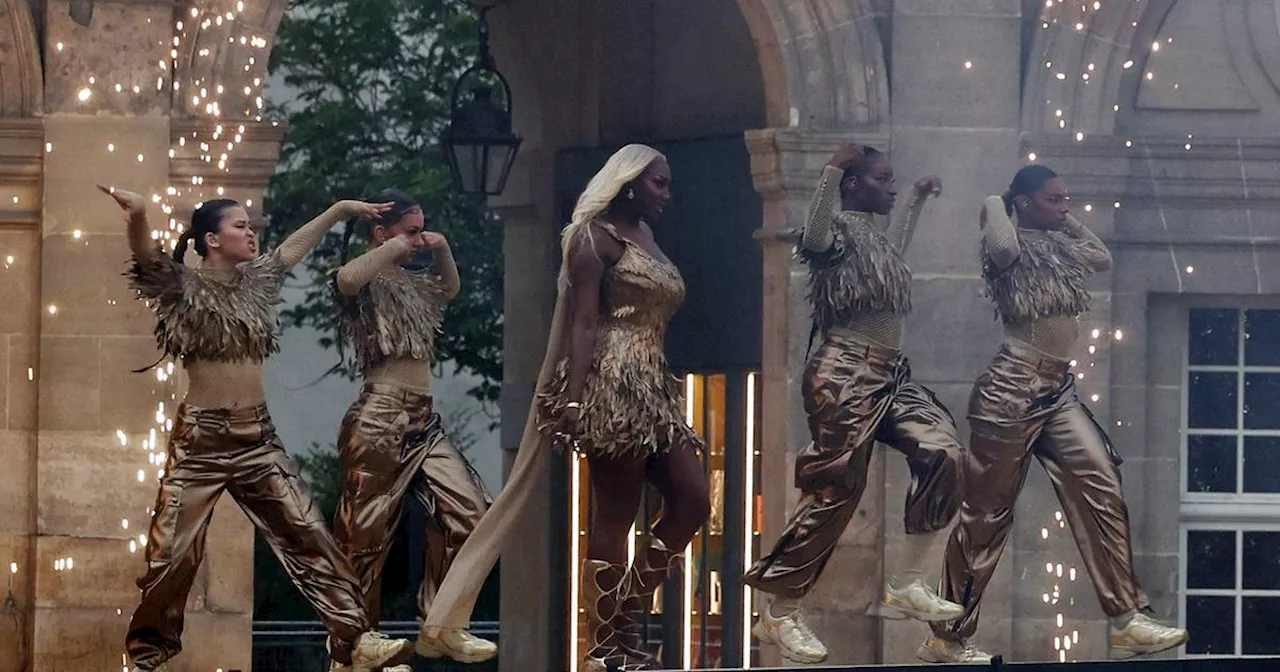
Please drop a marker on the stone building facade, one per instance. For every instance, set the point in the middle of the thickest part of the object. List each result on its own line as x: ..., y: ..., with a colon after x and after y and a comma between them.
x: 159, y: 98
x: 1159, y: 114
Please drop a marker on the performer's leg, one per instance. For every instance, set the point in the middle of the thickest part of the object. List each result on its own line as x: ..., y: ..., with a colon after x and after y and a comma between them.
x: 189, y: 490
x: 278, y: 501
x: 1074, y: 452
x: 370, y: 446
x: 616, y: 486
x: 922, y: 429
x: 845, y: 400
x: 995, y: 471
x: 455, y: 500
x: 679, y: 477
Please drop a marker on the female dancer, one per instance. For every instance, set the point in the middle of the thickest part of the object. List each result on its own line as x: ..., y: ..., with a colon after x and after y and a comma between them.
x: 858, y: 390
x: 1025, y: 405
x: 605, y: 391
x: 391, y: 441
x: 219, y: 320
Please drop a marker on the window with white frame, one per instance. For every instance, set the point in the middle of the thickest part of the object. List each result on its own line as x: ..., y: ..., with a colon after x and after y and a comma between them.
x: 1231, y: 459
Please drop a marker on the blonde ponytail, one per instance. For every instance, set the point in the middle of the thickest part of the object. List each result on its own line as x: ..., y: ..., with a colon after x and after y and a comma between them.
x: 624, y: 166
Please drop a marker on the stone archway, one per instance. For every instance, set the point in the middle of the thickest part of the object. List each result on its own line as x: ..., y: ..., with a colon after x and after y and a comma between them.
x: 1086, y: 64
x: 822, y: 61
x: 20, y: 72
x: 220, y: 56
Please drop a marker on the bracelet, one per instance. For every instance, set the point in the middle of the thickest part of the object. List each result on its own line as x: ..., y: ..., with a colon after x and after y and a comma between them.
x: 574, y: 404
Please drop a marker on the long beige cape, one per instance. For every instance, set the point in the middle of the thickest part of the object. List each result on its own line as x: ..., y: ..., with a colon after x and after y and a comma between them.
x: 456, y: 598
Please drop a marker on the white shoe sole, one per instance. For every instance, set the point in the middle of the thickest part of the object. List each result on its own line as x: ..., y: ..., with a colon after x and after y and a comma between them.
x: 400, y: 656
x: 926, y: 616
x: 762, y: 633
x: 431, y: 651
x: 1125, y: 653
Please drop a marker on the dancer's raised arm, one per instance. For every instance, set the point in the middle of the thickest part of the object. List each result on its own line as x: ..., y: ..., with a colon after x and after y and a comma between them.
x: 299, y: 243
x: 141, y: 242
x: 999, y: 236
x: 903, y: 227
x: 822, y: 209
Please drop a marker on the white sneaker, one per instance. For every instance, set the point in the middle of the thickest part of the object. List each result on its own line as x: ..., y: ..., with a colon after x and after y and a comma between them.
x: 921, y: 602
x: 375, y: 650
x: 937, y: 650
x: 1143, y: 635
x: 458, y: 645
x: 795, y: 641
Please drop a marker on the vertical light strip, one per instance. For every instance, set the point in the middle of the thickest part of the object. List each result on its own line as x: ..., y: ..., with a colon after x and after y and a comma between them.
x: 575, y: 555
x: 688, y: 607
x: 748, y: 518
x: 688, y: 551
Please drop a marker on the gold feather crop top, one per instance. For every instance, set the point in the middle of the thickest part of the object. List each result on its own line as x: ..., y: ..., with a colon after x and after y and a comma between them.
x: 395, y: 316
x: 212, y: 315
x: 860, y: 274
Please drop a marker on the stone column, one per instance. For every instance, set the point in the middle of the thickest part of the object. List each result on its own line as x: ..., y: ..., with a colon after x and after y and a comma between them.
x: 99, y: 441
x: 786, y: 165
x: 21, y: 155
x: 961, y: 123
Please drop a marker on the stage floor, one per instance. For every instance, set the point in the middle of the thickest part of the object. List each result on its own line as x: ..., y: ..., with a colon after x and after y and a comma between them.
x: 1192, y: 665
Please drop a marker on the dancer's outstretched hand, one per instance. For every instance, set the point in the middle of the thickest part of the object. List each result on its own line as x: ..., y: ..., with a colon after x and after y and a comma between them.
x: 131, y: 203
x: 355, y: 209
x: 929, y: 186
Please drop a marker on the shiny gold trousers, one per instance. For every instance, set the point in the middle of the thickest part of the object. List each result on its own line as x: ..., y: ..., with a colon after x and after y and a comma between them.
x: 237, y: 451
x: 856, y: 393
x: 1025, y: 406
x: 391, y: 444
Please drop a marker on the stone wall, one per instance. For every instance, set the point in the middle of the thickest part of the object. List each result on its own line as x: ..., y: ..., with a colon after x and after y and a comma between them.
x: 83, y: 438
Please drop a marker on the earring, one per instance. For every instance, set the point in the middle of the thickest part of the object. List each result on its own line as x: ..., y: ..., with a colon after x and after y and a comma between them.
x: 631, y: 194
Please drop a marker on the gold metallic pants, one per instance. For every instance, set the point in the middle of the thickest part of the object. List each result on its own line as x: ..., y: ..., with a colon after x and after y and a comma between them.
x: 215, y: 450
x: 1025, y: 405
x: 856, y: 393
x: 391, y: 444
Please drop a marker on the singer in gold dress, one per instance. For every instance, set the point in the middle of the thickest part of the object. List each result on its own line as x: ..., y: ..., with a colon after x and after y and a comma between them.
x: 391, y: 442
x: 605, y: 391
x: 858, y: 390
x: 219, y: 320
x: 1025, y: 406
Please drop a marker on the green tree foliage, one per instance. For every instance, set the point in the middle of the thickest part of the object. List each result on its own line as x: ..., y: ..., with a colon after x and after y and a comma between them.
x: 367, y: 85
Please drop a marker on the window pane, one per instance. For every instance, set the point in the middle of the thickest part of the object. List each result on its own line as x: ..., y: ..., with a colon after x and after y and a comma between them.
x: 1261, y: 464
x: 1212, y: 620
x: 1211, y: 559
x: 1261, y: 562
x: 1262, y: 401
x: 1212, y: 338
x: 1259, y: 634
x: 1211, y: 400
x: 1211, y: 463
x: 1262, y: 337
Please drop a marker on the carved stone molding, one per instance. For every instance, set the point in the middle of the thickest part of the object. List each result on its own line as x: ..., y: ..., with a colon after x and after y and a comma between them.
x: 1160, y: 170
x: 21, y: 77
x: 822, y: 61
x: 786, y: 162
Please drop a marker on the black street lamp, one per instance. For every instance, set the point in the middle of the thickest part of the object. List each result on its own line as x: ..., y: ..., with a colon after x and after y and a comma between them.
x: 479, y: 143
